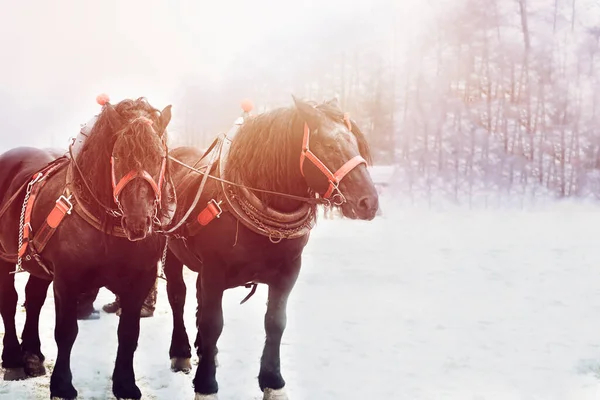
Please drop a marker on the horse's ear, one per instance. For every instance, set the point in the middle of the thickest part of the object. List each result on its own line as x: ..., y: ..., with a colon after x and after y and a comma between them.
x: 165, y: 118
x: 308, y: 113
x: 335, y: 103
x: 112, y: 115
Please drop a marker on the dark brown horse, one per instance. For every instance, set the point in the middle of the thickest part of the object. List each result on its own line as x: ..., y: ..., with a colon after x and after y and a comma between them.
x: 289, y: 155
x: 114, y: 190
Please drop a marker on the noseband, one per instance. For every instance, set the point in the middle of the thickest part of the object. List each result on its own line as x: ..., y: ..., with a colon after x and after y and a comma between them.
x: 336, y: 177
x: 131, y: 175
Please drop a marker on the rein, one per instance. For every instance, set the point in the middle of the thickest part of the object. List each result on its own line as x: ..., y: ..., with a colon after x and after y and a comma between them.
x: 206, y: 174
x: 108, y: 210
x: 309, y: 200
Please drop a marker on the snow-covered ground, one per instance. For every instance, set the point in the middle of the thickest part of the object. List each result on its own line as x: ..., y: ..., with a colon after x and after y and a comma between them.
x: 455, y: 304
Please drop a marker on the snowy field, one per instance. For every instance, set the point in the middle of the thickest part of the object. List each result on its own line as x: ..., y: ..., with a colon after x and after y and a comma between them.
x: 417, y: 305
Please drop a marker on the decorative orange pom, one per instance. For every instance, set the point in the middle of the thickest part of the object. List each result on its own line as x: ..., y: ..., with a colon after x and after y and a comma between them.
x: 102, y: 99
x: 247, y: 105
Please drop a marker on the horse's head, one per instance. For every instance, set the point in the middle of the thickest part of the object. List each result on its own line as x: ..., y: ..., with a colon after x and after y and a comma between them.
x: 334, y: 159
x: 141, y: 184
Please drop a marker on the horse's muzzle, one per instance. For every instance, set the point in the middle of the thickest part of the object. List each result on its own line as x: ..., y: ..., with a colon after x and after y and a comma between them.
x: 136, y: 228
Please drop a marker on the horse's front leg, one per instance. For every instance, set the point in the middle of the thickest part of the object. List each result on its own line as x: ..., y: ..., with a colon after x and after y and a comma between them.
x: 180, y: 351
x: 269, y: 378
x: 65, y: 333
x: 210, y: 325
x: 36, y: 291
x: 128, y: 333
x: 12, y: 360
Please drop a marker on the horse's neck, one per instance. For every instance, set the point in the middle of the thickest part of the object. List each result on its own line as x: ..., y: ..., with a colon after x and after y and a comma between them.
x: 295, y: 187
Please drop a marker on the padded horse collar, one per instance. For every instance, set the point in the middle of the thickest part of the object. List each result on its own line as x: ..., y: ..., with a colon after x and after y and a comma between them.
x: 254, y: 214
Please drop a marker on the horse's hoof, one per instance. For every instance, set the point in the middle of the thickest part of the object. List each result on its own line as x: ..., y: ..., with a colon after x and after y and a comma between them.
x: 275, y: 394
x: 63, y: 398
x: 92, y: 315
x: 179, y: 364
x: 34, y: 365
x: 14, y: 374
x: 200, y: 396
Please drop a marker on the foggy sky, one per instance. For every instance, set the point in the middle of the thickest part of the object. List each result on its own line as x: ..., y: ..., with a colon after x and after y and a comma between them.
x: 57, y: 56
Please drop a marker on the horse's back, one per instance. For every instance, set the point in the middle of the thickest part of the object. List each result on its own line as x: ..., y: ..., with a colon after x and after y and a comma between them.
x: 187, y: 155
x: 19, y: 164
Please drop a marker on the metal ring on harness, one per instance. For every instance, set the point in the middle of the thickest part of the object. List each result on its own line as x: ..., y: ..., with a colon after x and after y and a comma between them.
x: 279, y: 239
x: 338, y: 199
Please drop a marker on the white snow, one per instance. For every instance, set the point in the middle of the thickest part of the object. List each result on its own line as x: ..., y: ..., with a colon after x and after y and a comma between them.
x: 452, y: 304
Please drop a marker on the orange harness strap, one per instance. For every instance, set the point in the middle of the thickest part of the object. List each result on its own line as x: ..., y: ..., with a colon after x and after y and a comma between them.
x: 35, y: 244
x: 62, y: 208
x: 211, y: 211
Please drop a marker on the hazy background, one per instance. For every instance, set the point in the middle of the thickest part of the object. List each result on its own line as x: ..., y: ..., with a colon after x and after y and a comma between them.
x: 473, y: 101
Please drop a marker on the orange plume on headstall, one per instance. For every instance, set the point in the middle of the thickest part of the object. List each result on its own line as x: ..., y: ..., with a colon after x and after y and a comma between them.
x: 102, y: 99
x: 347, y: 121
x: 247, y: 105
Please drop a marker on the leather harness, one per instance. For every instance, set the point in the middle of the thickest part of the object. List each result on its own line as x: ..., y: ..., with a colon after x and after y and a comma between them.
x: 67, y: 202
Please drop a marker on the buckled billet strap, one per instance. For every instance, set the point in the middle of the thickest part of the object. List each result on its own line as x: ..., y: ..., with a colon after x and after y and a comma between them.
x: 206, y: 216
x: 333, y: 178
x: 62, y: 208
x: 42, y: 178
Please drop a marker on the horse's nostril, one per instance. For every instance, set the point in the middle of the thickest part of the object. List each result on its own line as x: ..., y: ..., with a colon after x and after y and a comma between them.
x: 368, y: 203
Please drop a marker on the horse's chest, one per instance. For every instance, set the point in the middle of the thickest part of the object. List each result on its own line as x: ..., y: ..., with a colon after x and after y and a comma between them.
x: 251, y: 258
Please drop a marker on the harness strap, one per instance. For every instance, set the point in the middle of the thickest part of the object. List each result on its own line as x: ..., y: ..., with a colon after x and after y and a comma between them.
x: 215, y: 147
x: 88, y: 217
x: 42, y: 178
x: 252, y: 291
x: 28, y: 210
x: 210, y: 212
x: 24, y: 185
x: 62, y: 208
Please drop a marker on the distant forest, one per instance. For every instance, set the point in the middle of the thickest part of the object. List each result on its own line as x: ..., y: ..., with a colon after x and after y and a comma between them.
x: 498, y: 96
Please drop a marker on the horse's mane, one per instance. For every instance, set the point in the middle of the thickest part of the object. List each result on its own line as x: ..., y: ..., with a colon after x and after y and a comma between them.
x: 267, y: 149
x: 94, y: 157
